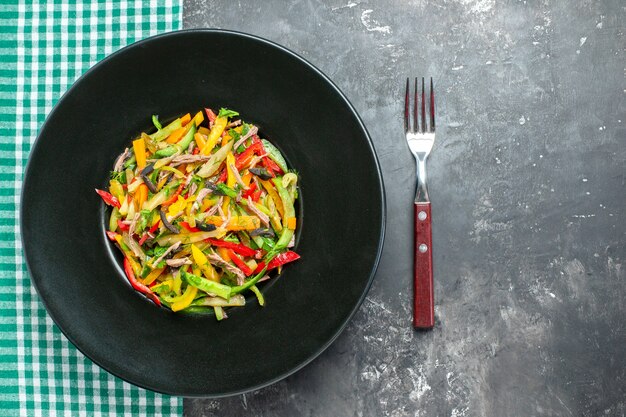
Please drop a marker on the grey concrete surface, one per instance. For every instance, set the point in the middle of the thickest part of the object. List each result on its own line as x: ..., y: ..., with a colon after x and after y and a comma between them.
x: 527, y: 181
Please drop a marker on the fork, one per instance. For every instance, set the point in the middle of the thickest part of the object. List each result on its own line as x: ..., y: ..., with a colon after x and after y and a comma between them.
x: 420, y: 138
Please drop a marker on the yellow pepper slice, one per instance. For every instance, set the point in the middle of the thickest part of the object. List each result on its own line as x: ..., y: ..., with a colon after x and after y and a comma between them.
x: 230, y: 160
x: 274, y: 195
x: 291, y: 223
x: 206, y: 204
x: 161, y: 183
x: 203, y: 263
x: 174, y: 170
x: 230, y: 181
x: 236, y: 222
x: 198, y: 118
x: 178, y: 281
x: 184, y: 300
x: 177, y: 207
x: 139, y: 147
x: 152, y: 276
x: 203, y: 131
x: 116, y: 189
x: 216, y: 132
x: 169, y: 283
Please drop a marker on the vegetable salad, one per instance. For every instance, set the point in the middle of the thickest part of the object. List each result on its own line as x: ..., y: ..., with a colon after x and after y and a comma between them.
x: 202, y: 210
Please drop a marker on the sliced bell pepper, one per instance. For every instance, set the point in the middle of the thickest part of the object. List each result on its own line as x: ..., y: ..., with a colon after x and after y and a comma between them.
x: 159, y: 135
x: 186, y: 226
x: 174, y: 196
x: 155, y: 226
x: 181, y: 145
x: 177, y: 207
x: 216, y: 132
x: 210, y: 115
x: 143, y: 239
x: 230, y: 181
x: 230, y: 160
x: 256, y: 195
x: 116, y: 189
x: 153, y: 276
x: 185, y: 119
x: 236, y: 247
x: 236, y: 223
x: 139, y: 147
x: 115, y: 216
x: 291, y: 223
x: 138, y: 286
x: 243, y: 159
x: 176, y: 135
x: 141, y: 195
x: 183, y: 301
x: 248, y: 193
x: 203, y: 263
x: 198, y: 118
x: 223, y: 253
x: 123, y: 226
x: 274, y: 154
x: 240, y: 264
x: 278, y: 260
x: 271, y: 166
x: 271, y: 190
x: 108, y: 198
x: 200, y: 141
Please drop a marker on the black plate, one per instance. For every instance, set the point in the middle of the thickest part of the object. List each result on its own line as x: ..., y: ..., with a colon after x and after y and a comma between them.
x: 342, y: 217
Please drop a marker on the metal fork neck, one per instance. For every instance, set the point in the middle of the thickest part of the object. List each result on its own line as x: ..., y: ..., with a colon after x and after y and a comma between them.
x: 421, y: 192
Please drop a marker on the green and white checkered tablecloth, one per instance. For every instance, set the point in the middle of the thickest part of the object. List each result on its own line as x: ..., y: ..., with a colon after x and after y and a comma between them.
x: 45, y: 46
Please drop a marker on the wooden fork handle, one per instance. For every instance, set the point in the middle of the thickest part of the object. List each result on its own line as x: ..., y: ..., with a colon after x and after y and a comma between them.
x: 423, y: 296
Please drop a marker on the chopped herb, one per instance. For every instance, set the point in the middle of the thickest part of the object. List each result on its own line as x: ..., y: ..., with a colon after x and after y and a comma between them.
x: 119, y: 176
x: 227, y: 113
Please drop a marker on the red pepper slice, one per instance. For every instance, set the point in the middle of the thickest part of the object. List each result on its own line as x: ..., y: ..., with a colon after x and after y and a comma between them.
x: 236, y: 247
x: 174, y: 196
x: 251, y: 189
x: 155, y: 227
x: 138, y: 285
x: 189, y: 228
x: 111, y: 236
x: 280, y: 259
x: 255, y: 196
x: 143, y: 239
x: 210, y: 115
x: 240, y: 264
x: 256, y: 139
x: 109, y: 198
x: 244, y: 158
x: 123, y: 226
x: 196, y: 151
x: 272, y: 166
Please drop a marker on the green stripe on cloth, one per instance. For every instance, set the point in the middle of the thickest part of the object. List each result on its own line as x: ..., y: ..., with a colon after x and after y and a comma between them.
x: 44, y: 47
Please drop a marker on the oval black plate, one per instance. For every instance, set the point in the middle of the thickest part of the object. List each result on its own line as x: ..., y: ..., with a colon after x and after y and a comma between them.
x: 342, y: 218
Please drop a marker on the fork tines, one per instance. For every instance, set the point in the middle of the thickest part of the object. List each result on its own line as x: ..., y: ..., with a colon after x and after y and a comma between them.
x: 419, y: 126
